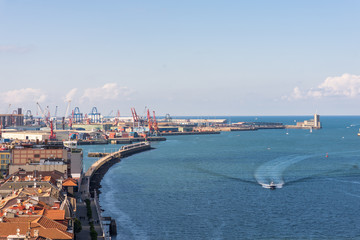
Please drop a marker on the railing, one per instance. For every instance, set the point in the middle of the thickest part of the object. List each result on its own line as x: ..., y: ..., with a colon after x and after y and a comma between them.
x: 135, y: 145
x: 106, y: 233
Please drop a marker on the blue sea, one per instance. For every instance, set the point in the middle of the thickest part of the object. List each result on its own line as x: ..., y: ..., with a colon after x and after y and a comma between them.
x: 214, y: 186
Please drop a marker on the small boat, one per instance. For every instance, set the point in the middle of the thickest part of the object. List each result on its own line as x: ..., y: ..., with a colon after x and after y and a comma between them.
x: 272, y: 186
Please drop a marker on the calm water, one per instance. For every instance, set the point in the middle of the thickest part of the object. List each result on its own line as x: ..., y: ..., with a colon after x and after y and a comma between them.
x: 211, y: 186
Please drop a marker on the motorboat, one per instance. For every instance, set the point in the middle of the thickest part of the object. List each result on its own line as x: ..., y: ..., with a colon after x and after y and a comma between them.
x: 272, y: 186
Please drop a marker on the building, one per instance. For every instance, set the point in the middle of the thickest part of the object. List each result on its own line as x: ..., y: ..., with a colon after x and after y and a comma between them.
x: 4, y: 161
x: 23, y: 156
x: 26, y: 135
x: 15, y: 119
x: 312, y: 123
x: 76, y: 159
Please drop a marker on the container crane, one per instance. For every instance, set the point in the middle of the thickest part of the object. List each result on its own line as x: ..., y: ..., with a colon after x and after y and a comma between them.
x: 8, y: 108
x: 67, y: 109
x: 150, y: 122
x: 52, y: 134
x: 13, y: 119
x: 43, y: 114
x: 134, y: 115
x: 56, y: 109
x: 156, y: 127
x: 66, y: 115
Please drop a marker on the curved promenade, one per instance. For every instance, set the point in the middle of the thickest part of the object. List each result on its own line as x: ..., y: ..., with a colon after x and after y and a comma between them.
x: 95, y: 173
x: 91, y: 183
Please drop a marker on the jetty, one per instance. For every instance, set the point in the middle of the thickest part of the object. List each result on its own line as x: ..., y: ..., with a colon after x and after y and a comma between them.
x: 95, y: 173
x: 90, y: 183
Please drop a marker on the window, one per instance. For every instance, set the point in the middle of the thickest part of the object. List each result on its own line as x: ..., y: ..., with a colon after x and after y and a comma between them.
x: 36, y: 155
x: 2, y: 156
x: 2, y: 161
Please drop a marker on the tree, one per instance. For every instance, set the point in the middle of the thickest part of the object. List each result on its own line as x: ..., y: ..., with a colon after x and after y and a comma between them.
x: 77, y: 226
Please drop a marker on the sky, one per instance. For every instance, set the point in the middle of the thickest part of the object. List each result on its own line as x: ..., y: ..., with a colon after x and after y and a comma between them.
x: 184, y: 58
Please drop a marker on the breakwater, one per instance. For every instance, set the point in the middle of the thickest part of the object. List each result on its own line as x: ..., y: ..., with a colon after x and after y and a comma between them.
x: 96, y: 172
x: 136, y: 139
x: 189, y: 133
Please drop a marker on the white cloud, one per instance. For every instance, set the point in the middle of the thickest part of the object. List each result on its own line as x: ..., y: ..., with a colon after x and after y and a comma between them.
x: 13, y: 49
x: 24, y: 95
x: 110, y: 91
x: 70, y: 95
x: 346, y: 85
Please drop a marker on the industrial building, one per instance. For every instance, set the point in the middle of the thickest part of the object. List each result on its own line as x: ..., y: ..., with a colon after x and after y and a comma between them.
x: 8, y: 120
x: 307, y: 124
x: 26, y: 135
x: 312, y: 123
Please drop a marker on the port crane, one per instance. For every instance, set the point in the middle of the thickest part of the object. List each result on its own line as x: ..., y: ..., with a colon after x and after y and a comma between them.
x: 156, y: 127
x: 52, y: 134
x: 134, y: 115
x: 150, y: 122
x: 66, y: 115
x: 44, y: 114
x: 48, y: 121
x: 8, y: 108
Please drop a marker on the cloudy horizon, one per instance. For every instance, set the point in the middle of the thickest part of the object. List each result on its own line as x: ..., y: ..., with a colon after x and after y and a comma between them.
x: 232, y: 58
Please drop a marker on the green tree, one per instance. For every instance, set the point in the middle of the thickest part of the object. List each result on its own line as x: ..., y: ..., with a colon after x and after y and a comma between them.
x: 77, y: 226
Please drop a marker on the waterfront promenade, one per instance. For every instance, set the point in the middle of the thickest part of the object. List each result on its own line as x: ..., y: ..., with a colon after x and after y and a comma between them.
x: 91, y: 183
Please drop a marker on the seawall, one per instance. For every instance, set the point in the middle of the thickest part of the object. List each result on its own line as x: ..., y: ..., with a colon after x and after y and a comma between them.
x: 97, y: 171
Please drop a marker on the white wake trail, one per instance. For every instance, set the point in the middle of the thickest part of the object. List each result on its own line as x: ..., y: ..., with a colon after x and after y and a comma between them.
x: 272, y: 171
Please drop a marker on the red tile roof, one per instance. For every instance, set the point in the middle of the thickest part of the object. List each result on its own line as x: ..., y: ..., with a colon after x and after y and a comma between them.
x: 47, y: 228
x: 69, y: 182
x: 55, y: 214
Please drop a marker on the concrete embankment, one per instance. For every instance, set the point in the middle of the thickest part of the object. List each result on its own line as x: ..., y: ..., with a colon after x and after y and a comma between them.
x: 97, y: 154
x: 91, y: 183
x: 135, y: 139
x: 301, y: 127
x: 189, y: 133
x: 96, y: 172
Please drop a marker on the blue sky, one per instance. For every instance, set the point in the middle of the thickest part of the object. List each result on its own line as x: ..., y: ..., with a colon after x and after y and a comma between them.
x: 182, y: 57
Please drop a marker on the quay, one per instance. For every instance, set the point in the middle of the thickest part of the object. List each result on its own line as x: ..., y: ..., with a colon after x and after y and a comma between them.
x: 90, y: 184
x: 97, y: 154
x: 189, y: 133
x: 91, y: 142
x: 95, y: 173
x: 136, y: 139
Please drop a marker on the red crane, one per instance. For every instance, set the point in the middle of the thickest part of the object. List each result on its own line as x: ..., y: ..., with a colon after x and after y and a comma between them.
x: 134, y: 114
x: 150, y: 122
x: 52, y: 134
x: 156, y: 128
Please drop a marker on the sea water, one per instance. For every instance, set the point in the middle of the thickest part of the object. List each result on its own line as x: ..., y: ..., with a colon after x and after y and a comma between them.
x: 214, y: 186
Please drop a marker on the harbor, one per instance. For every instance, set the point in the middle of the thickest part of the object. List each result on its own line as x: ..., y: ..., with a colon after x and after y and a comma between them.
x: 92, y: 178
x: 52, y: 144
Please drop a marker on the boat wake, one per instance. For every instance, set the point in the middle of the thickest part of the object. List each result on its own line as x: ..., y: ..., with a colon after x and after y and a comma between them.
x: 270, y: 174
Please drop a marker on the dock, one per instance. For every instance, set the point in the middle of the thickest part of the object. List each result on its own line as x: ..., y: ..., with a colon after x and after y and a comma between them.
x: 136, y: 139
x: 97, y: 154
x: 189, y: 133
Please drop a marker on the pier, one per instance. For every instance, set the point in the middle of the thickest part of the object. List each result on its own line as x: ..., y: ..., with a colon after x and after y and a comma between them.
x: 136, y: 139
x: 95, y: 173
x: 189, y: 133
x: 90, y: 183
